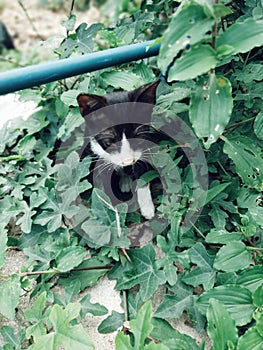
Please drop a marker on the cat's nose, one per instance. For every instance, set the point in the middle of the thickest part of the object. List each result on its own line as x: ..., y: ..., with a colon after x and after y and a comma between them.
x: 128, y: 162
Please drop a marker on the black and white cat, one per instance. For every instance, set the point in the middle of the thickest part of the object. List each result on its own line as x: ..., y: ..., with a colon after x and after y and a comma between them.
x: 119, y: 136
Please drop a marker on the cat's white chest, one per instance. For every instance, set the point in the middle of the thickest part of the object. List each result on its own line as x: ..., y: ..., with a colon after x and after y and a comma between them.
x: 126, y: 156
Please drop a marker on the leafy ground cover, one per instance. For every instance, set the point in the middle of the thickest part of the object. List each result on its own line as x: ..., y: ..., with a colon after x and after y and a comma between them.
x: 206, y: 249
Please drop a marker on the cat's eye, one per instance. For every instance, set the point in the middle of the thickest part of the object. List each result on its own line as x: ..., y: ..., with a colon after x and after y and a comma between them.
x: 107, y: 142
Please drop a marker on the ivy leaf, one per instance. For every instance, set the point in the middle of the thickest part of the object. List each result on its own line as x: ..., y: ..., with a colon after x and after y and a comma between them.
x: 247, y: 158
x: 187, y: 27
x: 36, y: 316
x: 21, y: 207
x: 26, y: 219
x: 141, y: 270
x: 55, y: 210
x: 237, y: 299
x: 204, y: 272
x: 221, y: 327
x: 197, y: 60
x: 112, y: 322
x: 88, y: 307
x: 12, y: 340
x: 80, y: 42
x: 141, y: 327
x: 171, y: 337
x: 210, y: 107
x: 71, y: 291
x: 9, y: 296
x: 71, y: 176
x: 242, y: 36
x: 64, y: 335
x: 70, y: 257
x: 107, y: 223
x: 173, y: 306
x: 86, y: 278
x: 73, y: 117
x: 232, y: 257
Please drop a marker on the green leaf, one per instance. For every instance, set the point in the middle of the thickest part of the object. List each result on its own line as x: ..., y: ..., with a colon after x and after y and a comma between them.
x: 56, y: 208
x: 86, y: 278
x: 203, y: 273
x: 121, y: 79
x: 258, y: 125
x: 258, y: 297
x: 36, y: 122
x: 81, y: 42
x: 70, y: 257
x: 122, y: 342
x: 36, y: 312
x: 232, y: 257
x: 247, y: 158
x: 251, y: 340
x: 210, y: 107
x: 237, y: 300
x: 222, y: 236
x: 141, y: 270
x: 173, y: 306
x: 35, y: 316
x: 171, y: 337
x: 26, y: 219
x: 3, y: 245
x: 64, y: 335
x: 11, y: 339
x: 258, y: 316
x: 107, y: 224
x: 198, y: 60
x: 71, y: 176
x: 141, y: 328
x: 72, y: 121
x: 97, y: 232
x: 215, y: 190
x: 187, y: 27
x: 94, y: 309
x: 9, y: 296
x: 242, y: 36
x: 112, y: 322
x: 251, y: 278
x: 221, y: 327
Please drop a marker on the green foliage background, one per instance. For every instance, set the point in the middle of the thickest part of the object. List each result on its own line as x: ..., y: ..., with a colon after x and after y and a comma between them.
x: 211, y: 55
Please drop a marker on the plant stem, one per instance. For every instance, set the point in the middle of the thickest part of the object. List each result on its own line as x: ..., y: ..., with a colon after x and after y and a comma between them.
x: 214, y: 31
x: 30, y: 20
x: 57, y: 272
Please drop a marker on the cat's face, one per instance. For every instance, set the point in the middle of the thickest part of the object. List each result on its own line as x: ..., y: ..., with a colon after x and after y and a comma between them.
x: 124, y: 144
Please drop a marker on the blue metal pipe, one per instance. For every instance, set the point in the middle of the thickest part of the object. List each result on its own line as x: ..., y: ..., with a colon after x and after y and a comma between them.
x: 27, y: 77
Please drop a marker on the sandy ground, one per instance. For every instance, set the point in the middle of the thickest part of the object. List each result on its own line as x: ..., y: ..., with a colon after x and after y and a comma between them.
x: 46, y: 22
x: 26, y: 39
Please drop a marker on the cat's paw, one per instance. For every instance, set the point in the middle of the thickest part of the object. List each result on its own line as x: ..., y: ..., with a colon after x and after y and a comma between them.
x: 125, y: 184
x: 145, y: 202
x: 148, y: 211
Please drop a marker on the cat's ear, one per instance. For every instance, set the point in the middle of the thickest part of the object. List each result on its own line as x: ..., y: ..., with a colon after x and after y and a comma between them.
x: 145, y: 93
x: 89, y: 103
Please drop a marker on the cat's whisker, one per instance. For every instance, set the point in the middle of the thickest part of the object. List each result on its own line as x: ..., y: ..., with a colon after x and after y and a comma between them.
x: 102, y: 167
